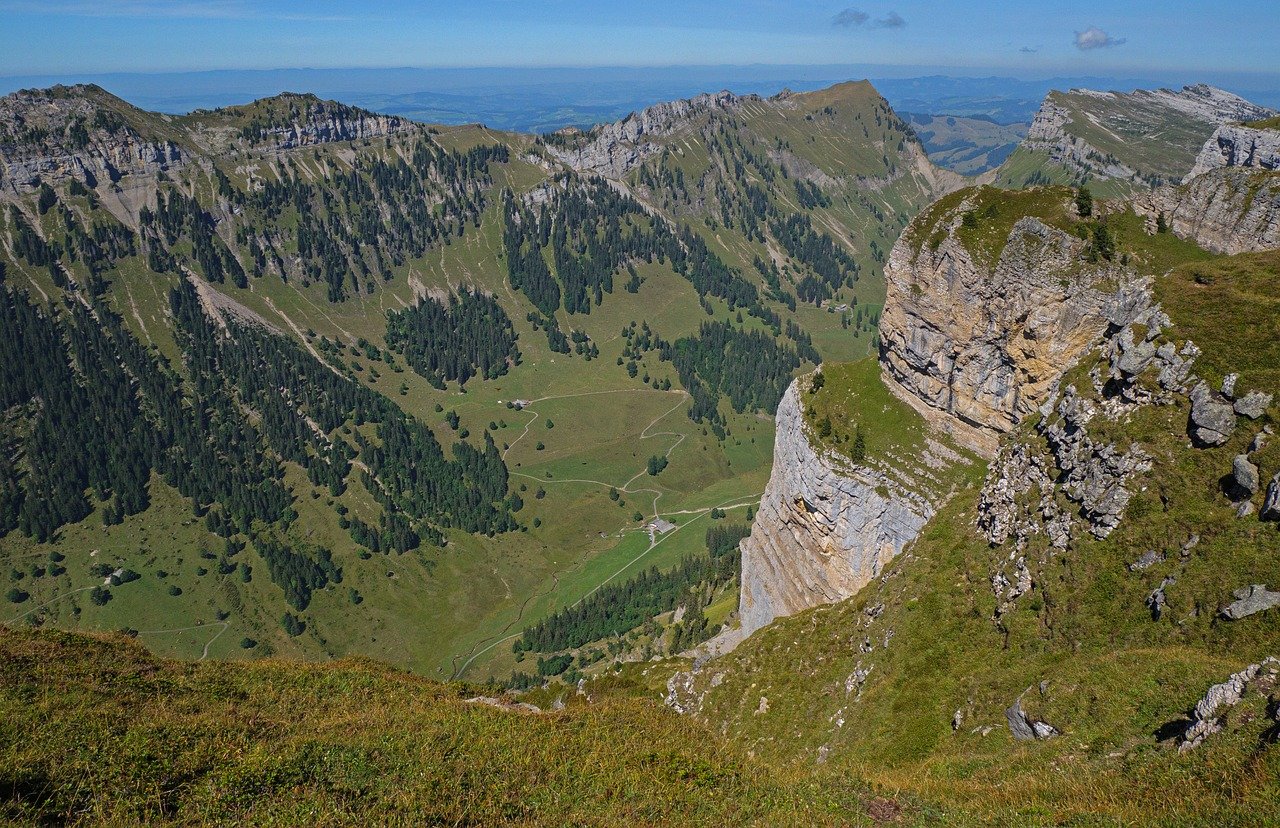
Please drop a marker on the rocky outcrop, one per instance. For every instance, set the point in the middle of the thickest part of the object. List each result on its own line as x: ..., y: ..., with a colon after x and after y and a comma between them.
x: 824, y: 528
x: 982, y: 345
x: 1227, y: 210
x: 1238, y: 146
x: 1210, y: 711
x: 1212, y: 419
x: 303, y: 120
x: 1025, y: 728
x: 1271, y: 504
x: 614, y: 149
x: 1088, y: 133
x: 1251, y: 600
x: 77, y: 132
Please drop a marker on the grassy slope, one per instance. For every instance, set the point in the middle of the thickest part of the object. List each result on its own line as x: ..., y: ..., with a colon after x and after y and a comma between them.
x: 1153, y: 140
x: 1112, y: 676
x: 98, y: 731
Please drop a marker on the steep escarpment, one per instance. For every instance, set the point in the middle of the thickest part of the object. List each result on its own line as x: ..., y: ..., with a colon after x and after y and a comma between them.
x: 1105, y: 600
x: 1238, y: 145
x: 980, y: 322
x: 615, y: 149
x: 825, y: 526
x: 1230, y: 202
x: 80, y: 133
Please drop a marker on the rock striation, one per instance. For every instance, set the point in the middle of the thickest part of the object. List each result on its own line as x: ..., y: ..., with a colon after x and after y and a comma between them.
x: 981, y: 346
x: 615, y: 149
x: 1227, y: 210
x: 1090, y: 134
x: 305, y: 120
x: 1209, y: 714
x: 824, y: 528
x: 75, y: 133
x: 1234, y: 145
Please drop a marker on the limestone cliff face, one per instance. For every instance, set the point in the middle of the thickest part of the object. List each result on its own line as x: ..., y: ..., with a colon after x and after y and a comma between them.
x: 1238, y: 146
x: 824, y: 528
x: 1227, y: 210
x: 73, y: 133
x: 976, y: 348
x: 1230, y: 203
x: 614, y: 149
x: 1092, y: 134
x: 314, y: 121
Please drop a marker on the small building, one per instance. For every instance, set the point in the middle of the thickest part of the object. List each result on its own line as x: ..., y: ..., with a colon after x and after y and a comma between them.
x: 519, y: 404
x: 660, y: 526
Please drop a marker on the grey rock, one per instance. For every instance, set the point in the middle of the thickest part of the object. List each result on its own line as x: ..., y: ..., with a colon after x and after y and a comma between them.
x: 1253, y: 405
x: 1251, y: 600
x: 1026, y: 729
x: 1157, y: 601
x: 982, y: 344
x: 1229, y: 385
x: 1134, y: 357
x: 1229, y: 210
x: 1212, y: 420
x: 1244, y: 475
x: 1271, y: 503
x: 1238, y: 146
x: 1207, y: 717
x: 1148, y: 559
x: 1245, y: 509
x: 823, y: 530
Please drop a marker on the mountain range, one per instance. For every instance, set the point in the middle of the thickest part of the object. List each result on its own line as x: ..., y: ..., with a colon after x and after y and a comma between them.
x: 913, y: 497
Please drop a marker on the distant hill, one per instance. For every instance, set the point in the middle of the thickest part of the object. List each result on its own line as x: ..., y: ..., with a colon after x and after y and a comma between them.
x: 1116, y: 141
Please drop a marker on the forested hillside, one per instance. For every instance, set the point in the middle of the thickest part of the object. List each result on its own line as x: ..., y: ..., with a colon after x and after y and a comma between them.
x: 294, y: 377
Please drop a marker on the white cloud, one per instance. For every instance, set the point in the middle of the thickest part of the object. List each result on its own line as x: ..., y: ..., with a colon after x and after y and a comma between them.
x: 1095, y: 38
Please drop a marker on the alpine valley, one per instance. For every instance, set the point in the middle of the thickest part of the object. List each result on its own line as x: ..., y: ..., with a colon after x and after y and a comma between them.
x: 731, y: 463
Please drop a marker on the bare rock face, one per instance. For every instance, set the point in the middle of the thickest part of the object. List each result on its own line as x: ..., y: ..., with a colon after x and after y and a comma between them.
x: 1210, y: 711
x: 614, y: 149
x: 1238, y: 146
x: 1227, y: 210
x: 984, y: 345
x: 1251, y: 600
x: 1212, y: 419
x: 823, y: 531
x: 67, y: 133
x: 1271, y: 505
x: 315, y: 121
x: 1140, y: 116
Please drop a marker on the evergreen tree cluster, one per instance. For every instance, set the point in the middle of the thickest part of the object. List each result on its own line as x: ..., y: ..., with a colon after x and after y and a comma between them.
x: 749, y: 367
x: 618, y: 608
x: 467, y: 335
x: 346, y: 229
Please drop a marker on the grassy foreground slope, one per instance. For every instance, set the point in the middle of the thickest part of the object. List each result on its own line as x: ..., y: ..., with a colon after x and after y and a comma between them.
x: 907, y: 684
x: 96, y: 730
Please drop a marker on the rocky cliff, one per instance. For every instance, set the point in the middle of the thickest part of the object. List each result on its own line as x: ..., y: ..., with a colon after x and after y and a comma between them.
x: 976, y: 345
x: 615, y: 149
x: 1238, y: 146
x: 1230, y: 203
x: 76, y: 133
x: 825, y: 527
x: 1143, y: 137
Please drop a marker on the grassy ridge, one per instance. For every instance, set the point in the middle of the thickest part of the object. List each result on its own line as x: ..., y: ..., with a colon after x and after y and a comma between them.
x: 98, y: 731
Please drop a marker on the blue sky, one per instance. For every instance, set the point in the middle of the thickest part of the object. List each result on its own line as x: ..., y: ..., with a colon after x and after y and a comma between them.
x: 1027, y: 38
